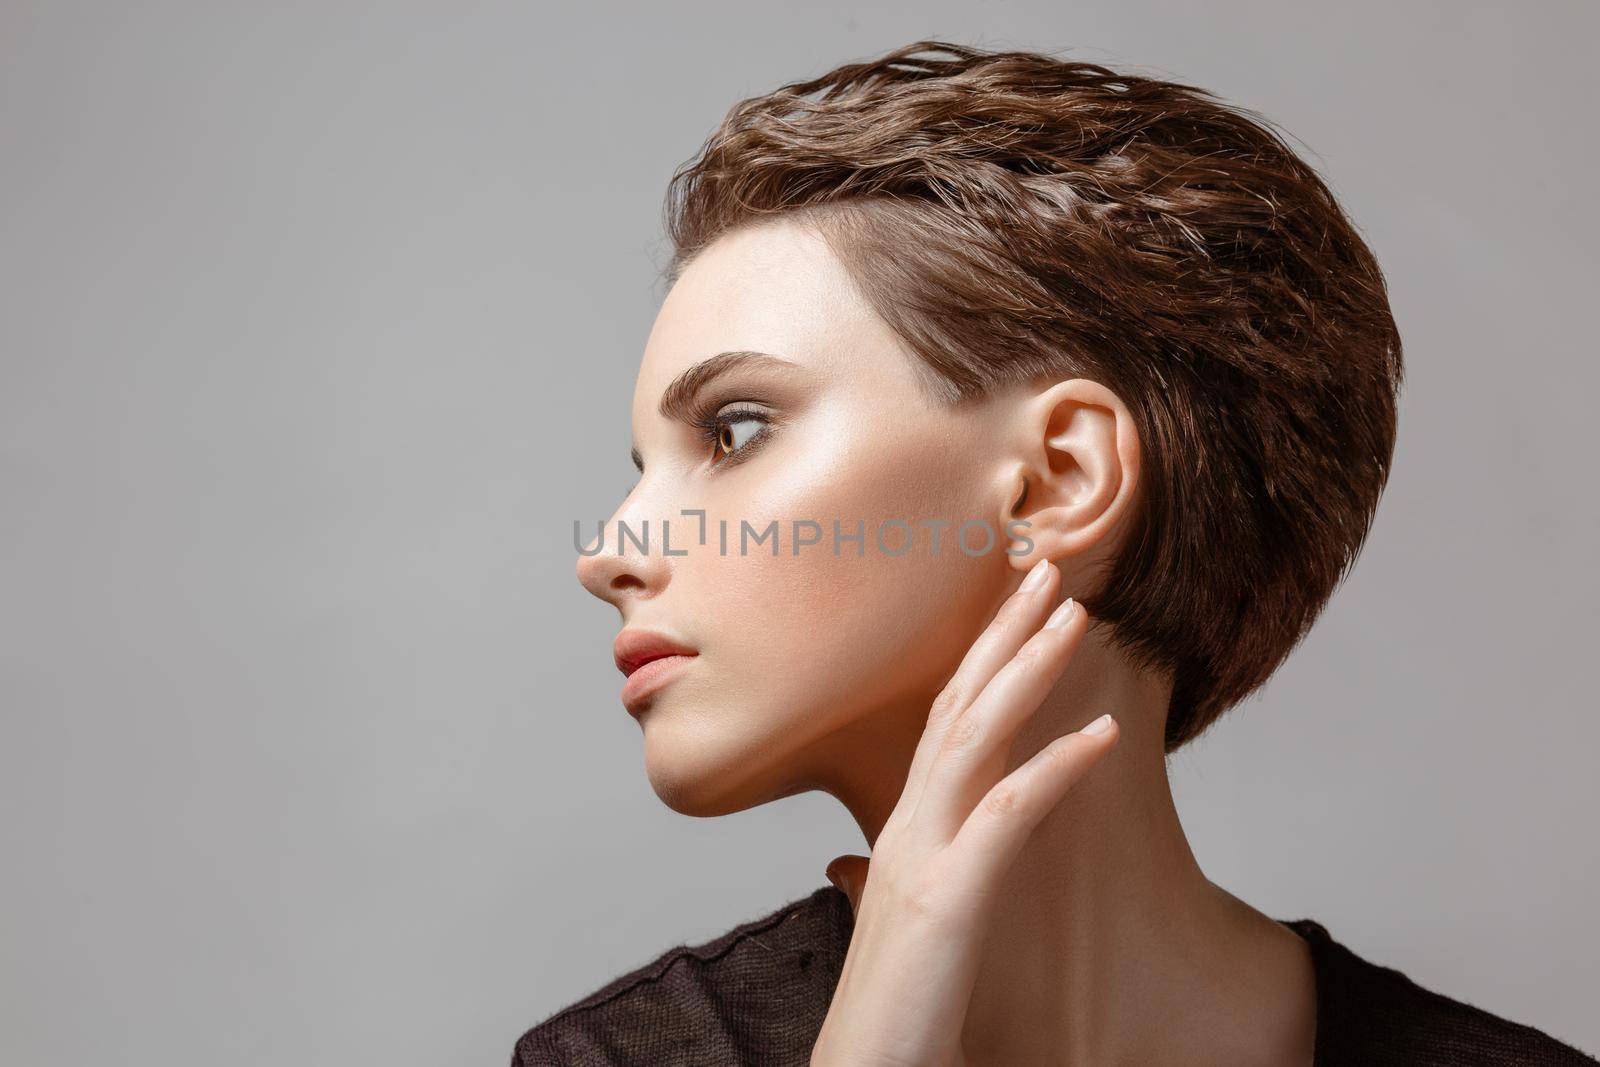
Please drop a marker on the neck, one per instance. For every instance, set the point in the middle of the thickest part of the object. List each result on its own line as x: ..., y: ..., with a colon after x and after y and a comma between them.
x: 1112, y: 945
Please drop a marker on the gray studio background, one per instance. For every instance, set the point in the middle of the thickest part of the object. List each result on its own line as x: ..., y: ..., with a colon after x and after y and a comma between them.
x: 319, y: 323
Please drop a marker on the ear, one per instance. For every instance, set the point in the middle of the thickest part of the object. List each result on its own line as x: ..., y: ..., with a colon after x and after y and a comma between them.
x: 1076, y: 471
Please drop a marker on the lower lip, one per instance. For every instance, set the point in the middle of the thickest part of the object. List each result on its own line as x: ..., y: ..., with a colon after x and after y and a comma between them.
x: 647, y: 680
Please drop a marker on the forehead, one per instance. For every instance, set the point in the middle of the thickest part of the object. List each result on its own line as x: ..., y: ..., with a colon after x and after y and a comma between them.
x: 775, y: 287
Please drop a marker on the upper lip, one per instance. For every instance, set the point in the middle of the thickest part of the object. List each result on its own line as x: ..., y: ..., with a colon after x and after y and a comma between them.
x: 635, y: 648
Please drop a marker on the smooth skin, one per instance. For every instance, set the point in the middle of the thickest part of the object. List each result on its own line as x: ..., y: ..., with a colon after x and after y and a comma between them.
x: 1104, y: 943
x: 924, y: 904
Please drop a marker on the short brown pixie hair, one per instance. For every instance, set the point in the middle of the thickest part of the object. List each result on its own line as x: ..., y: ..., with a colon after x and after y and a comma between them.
x: 1011, y: 215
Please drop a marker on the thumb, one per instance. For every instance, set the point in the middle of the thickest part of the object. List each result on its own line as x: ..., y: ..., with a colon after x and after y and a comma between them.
x: 849, y: 874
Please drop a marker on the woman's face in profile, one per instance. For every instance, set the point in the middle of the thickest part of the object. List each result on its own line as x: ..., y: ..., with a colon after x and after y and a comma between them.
x: 812, y: 663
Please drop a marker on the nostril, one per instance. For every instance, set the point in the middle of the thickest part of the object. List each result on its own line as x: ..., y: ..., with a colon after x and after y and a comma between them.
x: 612, y: 578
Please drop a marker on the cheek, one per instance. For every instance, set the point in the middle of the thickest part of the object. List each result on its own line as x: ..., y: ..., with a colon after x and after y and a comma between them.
x: 830, y: 637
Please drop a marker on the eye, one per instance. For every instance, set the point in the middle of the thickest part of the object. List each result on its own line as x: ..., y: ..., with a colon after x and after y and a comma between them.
x: 734, y: 432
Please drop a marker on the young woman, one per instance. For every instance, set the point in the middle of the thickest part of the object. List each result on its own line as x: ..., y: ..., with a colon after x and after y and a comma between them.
x: 1007, y: 420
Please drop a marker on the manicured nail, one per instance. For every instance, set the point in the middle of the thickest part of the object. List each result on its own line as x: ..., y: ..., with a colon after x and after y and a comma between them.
x: 1099, y: 726
x: 1035, y: 577
x: 1061, y: 615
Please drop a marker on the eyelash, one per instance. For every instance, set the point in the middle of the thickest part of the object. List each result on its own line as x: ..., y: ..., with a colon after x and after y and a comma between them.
x: 711, y: 426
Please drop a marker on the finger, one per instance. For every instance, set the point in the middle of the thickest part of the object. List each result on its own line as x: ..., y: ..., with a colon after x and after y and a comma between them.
x: 849, y: 875
x: 1012, y: 625
x: 994, y: 834
x: 977, y: 747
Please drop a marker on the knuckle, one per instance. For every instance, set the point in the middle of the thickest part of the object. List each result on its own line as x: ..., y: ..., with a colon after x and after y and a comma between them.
x: 926, y: 896
x: 1001, y: 800
x: 963, y: 733
x: 1063, y: 755
x: 1031, y: 656
x: 946, y: 703
x: 908, y: 891
x: 918, y: 900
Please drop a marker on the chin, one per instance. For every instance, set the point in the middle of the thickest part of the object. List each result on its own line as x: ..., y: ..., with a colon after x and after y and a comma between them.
x: 697, y: 764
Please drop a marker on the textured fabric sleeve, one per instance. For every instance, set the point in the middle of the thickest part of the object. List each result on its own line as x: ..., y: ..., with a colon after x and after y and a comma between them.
x: 537, y: 1048
x: 757, y: 995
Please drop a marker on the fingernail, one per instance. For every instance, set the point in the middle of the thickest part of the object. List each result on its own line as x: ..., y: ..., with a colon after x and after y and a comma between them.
x: 1035, y: 577
x: 1099, y: 726
x: 1061, y: 615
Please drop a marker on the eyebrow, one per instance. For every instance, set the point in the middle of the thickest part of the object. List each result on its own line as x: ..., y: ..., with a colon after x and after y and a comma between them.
x: 678, y: 398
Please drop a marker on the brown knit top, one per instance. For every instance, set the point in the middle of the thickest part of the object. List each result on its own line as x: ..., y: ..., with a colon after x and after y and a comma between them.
x: 757, y: 995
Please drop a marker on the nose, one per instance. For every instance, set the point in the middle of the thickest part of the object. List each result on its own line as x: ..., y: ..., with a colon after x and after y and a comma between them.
x: 619, y: 570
